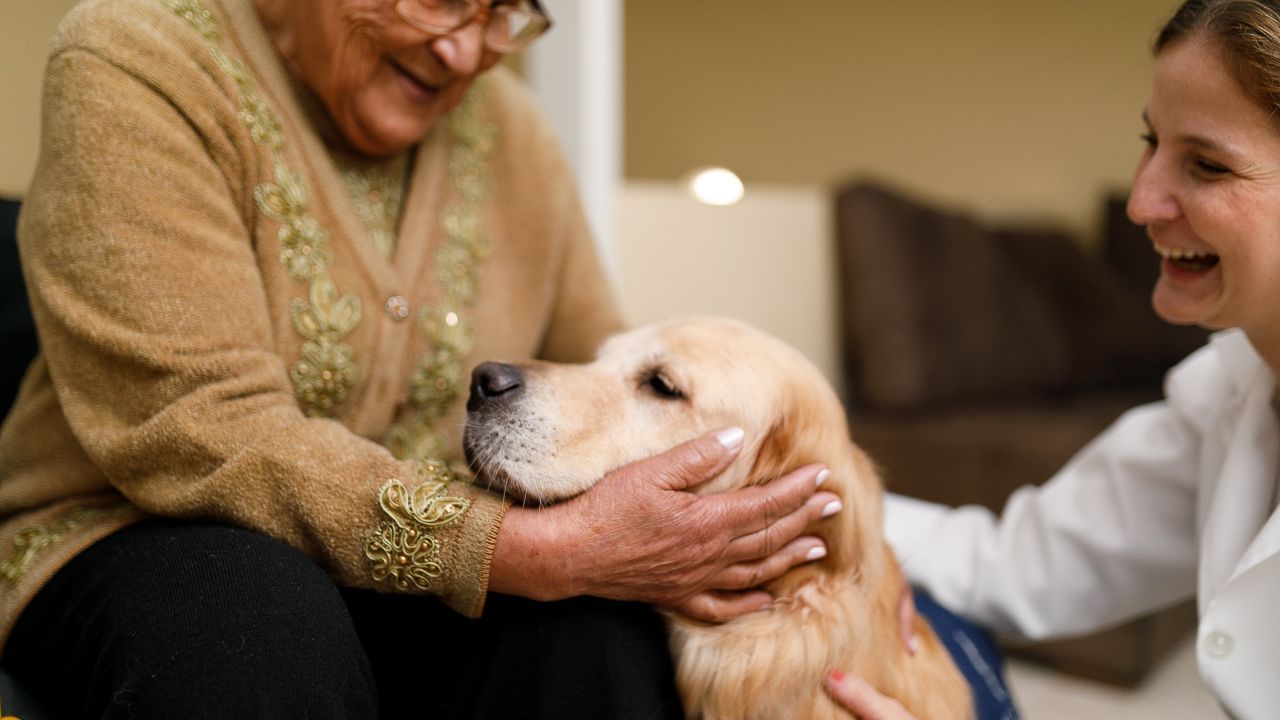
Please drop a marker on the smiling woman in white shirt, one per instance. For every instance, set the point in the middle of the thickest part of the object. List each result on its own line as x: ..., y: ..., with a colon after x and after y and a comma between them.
x: 1178, y: 498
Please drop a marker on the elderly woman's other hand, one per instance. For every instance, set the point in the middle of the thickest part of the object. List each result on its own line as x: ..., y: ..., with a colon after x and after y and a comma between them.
x: 638, y: 535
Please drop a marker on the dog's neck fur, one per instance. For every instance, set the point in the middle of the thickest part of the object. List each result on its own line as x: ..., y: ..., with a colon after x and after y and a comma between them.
x: 837, y: 612
x: 852, y: 536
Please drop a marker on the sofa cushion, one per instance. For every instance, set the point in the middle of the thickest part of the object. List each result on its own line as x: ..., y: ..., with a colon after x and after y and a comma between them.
x: 934, y: 309
x: 940, y: 309
x: 1112, y: 335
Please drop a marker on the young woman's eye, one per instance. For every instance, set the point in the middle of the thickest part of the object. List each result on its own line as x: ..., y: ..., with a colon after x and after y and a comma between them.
x: 1149, y: 139
x: 1207, y: 167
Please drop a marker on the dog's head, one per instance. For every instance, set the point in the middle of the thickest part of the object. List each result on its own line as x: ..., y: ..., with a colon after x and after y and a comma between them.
x: 543, y: 432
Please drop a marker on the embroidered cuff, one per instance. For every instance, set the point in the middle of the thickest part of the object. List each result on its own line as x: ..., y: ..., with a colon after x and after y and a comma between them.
x: 404, y: 550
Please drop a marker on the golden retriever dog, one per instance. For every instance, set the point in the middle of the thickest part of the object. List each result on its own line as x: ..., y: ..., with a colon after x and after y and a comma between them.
x: 553, y: 430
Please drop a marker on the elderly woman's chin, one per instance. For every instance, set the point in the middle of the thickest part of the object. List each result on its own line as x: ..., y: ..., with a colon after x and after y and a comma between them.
x: 383, y: 136
x: 386, y: 123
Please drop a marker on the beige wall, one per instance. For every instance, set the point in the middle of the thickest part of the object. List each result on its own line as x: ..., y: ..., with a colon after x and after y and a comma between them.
x: 1017, y: 108
x: 25, y: 29
x: 768, y: 260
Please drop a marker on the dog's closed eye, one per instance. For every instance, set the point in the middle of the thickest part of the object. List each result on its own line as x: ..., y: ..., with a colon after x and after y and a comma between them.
x: 661, y: 385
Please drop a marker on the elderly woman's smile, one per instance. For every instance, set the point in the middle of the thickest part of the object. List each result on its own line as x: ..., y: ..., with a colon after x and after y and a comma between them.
x: 419, y: 82
x: 383, y: 82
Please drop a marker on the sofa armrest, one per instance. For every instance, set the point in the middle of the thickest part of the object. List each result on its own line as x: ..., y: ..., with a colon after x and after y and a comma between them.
x: 17, y: 330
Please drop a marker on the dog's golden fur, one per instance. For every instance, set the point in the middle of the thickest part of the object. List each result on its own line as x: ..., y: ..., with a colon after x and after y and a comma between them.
x: 572, y: 424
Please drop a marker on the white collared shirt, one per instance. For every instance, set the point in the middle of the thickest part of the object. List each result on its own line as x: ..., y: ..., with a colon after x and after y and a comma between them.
x: 1176, y: 498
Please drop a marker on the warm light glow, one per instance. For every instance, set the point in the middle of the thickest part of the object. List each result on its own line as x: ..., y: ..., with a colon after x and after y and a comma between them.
x: 716, y: 186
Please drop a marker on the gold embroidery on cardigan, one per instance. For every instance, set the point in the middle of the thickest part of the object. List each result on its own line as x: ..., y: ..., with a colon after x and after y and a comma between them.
x: 304, y: 248
x: 197, y: 16
x: 31, y: 541
x: 326, y: 370
x: 403, y: 549
x: 377, y: 193
x: 438, y: 378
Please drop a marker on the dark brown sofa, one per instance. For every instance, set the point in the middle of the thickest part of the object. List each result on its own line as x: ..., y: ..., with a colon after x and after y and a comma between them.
x: 980, y: 358
x: 18, y: 343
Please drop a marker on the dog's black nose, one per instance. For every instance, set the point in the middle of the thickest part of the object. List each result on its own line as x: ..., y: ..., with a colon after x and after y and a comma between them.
x: 492, y: 380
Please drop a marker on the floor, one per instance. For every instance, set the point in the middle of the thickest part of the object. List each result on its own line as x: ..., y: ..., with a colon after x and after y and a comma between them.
x: 1173, y: 692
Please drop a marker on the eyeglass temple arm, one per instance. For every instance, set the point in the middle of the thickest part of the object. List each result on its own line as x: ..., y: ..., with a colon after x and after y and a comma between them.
x: 541, y: 10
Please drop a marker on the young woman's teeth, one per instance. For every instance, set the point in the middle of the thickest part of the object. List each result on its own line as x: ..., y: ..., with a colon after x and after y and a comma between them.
x: 1187, y: 259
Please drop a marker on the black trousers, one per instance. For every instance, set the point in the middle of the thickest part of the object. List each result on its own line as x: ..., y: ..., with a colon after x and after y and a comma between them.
x: 170, y: 620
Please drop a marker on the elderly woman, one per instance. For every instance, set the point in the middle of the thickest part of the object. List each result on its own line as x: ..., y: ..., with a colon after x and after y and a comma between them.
x: 265, y: 242
x: 1179, y: 498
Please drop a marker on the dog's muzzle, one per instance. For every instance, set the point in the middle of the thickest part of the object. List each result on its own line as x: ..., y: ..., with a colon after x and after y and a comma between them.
x: 494, y: 382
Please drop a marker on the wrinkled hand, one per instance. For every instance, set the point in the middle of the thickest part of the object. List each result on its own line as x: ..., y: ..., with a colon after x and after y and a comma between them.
x: 865, y: 702
x: 638, y: 535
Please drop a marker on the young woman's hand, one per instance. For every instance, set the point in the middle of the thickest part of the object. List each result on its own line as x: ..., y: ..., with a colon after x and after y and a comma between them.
x: 865, y: 702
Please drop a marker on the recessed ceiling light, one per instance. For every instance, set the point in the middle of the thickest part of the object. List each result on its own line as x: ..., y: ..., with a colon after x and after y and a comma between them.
x: 716, y: 186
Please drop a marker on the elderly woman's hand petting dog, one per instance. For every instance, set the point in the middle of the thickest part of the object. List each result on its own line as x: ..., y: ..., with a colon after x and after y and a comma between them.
x: 638, y: 535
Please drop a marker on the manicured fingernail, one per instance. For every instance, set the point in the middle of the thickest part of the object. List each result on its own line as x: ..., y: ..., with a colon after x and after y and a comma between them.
x: 837, y: 675
x: 730, y: 438
x: 823, y: 474
x: 832, y: 508
x: 816, y: 553
x: 914, y: 644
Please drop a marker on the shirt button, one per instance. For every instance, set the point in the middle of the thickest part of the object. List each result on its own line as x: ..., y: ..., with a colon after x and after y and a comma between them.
x: 1218, y: 644
x: 397, y: 307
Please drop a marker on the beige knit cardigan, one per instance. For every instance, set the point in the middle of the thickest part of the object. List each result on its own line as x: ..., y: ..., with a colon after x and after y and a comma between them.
x: 220, y: 339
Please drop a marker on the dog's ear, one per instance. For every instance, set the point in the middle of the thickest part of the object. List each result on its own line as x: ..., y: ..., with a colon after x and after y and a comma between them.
x: 778, y: 452
x: 807, y: 432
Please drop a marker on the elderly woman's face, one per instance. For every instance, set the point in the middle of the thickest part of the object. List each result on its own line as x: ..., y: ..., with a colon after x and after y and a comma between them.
x: 383, y: 82
x: 1208, y: 191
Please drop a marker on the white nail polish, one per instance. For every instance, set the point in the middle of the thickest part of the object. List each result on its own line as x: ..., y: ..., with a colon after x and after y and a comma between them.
x: 730, y: 438
x: 816, y: 553
x: 832, y: 508
x: 823, y: 474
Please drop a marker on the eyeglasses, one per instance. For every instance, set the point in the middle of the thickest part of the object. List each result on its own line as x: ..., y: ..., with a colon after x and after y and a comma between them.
x: 508, y: 26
